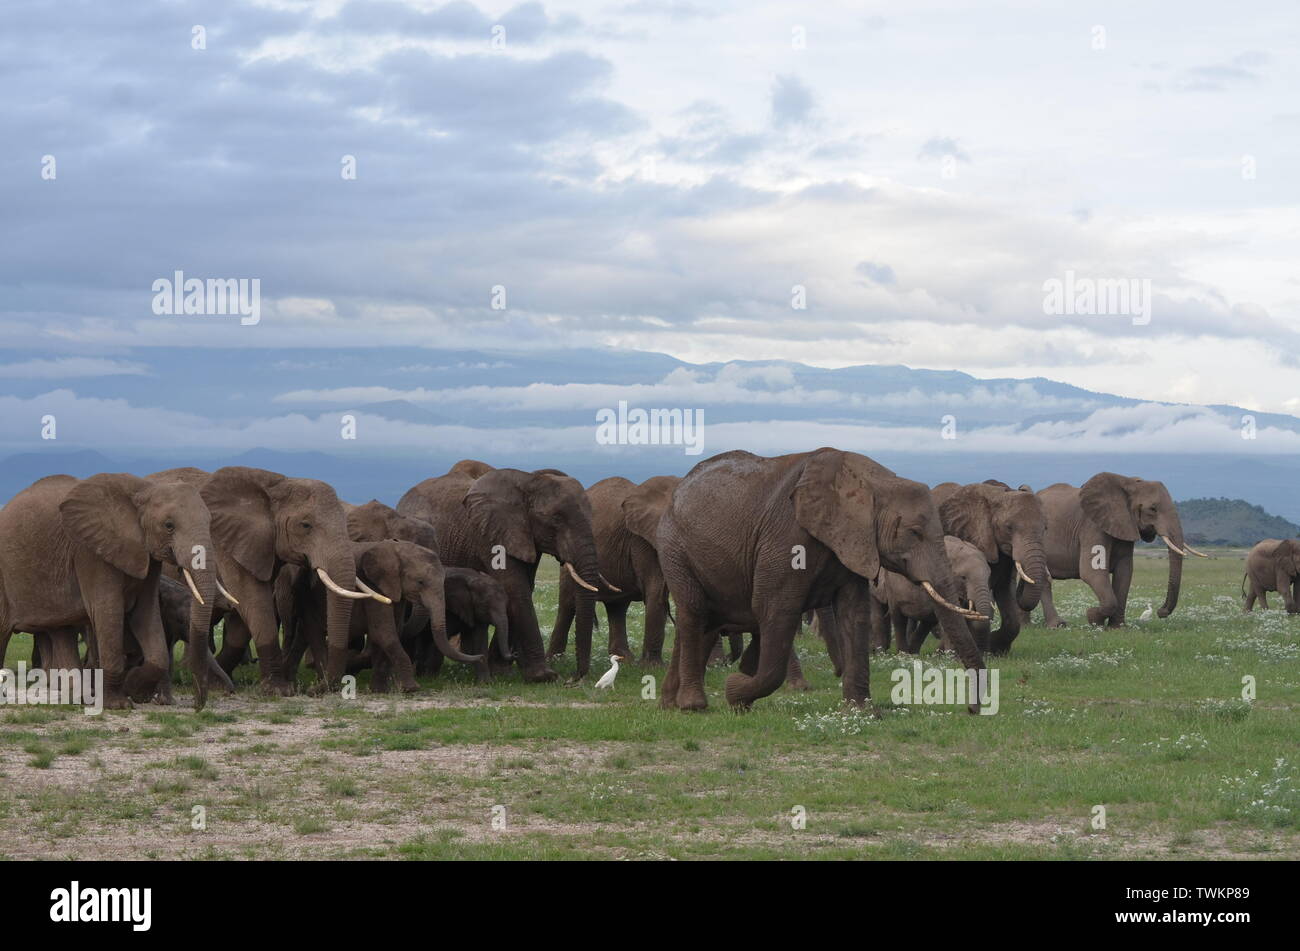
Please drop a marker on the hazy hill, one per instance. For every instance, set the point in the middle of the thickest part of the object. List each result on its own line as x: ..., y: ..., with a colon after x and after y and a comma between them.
x: 1231, y: 522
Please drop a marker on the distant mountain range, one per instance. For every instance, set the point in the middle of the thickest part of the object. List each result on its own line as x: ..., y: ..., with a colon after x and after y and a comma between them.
x: 414, y: 412
x: 1231, y: 522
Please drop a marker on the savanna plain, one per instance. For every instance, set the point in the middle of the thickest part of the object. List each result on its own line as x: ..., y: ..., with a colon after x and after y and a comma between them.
x: 1148, y: 723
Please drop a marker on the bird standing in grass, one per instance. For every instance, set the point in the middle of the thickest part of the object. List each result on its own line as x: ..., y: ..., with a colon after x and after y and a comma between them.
x: 607, y: 678
x: 1146, y: 615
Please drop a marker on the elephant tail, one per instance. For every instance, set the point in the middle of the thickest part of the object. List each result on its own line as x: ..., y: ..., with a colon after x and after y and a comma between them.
x: 1243, y: 584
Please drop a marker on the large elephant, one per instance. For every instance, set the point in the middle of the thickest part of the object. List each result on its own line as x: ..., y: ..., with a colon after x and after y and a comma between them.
x: 755, y: 542
x: 262, y: 521
x: 501, y: 521
x: 624, y: 519
x: 1273, y: 565
x: 909, y: 610
x: 90, y: 553
x: 398, y: 572
x: 1009, y: 527
x: 1090, y: 535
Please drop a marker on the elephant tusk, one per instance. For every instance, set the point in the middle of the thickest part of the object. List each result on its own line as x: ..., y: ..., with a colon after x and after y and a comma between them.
x: 194, y: 590
x: 939, y: 599
x: 341, y: 592
x: 361, y: 585
x: 1172, y: 546
x: 1021, y: 571
x: 1198, y: 554
x: 606, y: 582
x: 578, y: 579
x: 226, y: 594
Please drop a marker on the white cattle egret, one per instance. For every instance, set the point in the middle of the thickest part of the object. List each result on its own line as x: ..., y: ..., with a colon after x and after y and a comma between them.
x: 607, y: 678
x: 1146, y: 615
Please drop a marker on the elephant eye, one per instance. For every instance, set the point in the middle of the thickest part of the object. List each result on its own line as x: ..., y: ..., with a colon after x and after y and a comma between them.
x: 306, y: 526
x: 169, y: 525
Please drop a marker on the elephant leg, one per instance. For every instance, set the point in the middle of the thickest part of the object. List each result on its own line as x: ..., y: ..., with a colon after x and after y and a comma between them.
x: 794, y: 678
x: 924, y: 628
x: 107, y: 617
x: 714, y: 652
x: 36, y: 661
x: 1122, y: 563
x: 1000, y: 640
x: 857, y: 639
x: 1263, y: 599
x: 684, y: 685
x: 736, y: 642
x: 1050, y: 618
x: 257, y: 608
x: 616, y: 615
x: 656, y: 612
x: 898, y: 622
x: 1251, y: 595
x: 524, y: 631
x: 749, y: 657
x: 387, y: 650
x: 826, y: 630
x: 775, y: 635
x: 145, y: 623
x: 565, y: 612
x: 1098, y: 579
x: 476, y: 642
x: 234, y: 642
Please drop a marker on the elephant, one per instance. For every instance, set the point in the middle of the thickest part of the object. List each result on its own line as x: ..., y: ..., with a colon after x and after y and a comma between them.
x: 625, y: 517
x: 755, y: 542
x: 1090, y: 535
x: 175, y: 604
x: 1009, y: 527
x: 397, y: 571
x: 88, y: 553
x: 906, y: 606
x: 475, y: 602
x: 261, y: 522
x: 500, y: 521
x: 1273, y: 565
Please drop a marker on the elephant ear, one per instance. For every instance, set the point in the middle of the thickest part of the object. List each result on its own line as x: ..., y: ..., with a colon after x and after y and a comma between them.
x: 103, y: 513
x: 968, y: 514
x: 239, y: 501
x: 642, y: 510
x: 1105, y: 500
x: 498, y: 510
x: 381, y: 567
x: 837, y: 506
x: 1288, y: 556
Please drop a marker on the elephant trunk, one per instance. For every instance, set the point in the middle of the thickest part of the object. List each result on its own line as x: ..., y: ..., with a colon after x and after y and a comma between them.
x: 934, y: 568
x: 435, y: 604
x: 338, y: 616
x: 501, y: 622
x: 585, y: 606
x: 198, y: 653
x: 982, y: 601
x: 1031, y: 555
x: 1172, y: 529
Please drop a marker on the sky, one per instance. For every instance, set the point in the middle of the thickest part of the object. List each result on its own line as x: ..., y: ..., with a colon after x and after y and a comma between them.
x: 831, y: 183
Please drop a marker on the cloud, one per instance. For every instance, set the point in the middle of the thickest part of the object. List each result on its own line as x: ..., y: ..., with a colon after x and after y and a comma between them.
x: 941, y: 147
x: 69, y: 367
x: 792, y: 102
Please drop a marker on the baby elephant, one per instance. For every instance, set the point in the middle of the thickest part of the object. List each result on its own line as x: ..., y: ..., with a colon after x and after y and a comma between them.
x: 1273, y: 565
x: 905, y: 606
x: 475, y: 601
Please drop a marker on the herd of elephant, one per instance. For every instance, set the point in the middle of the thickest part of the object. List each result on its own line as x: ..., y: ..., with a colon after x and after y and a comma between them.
x: 126, y: 566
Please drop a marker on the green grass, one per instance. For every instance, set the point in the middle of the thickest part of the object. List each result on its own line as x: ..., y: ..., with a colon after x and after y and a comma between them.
x: 1147, y: 723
